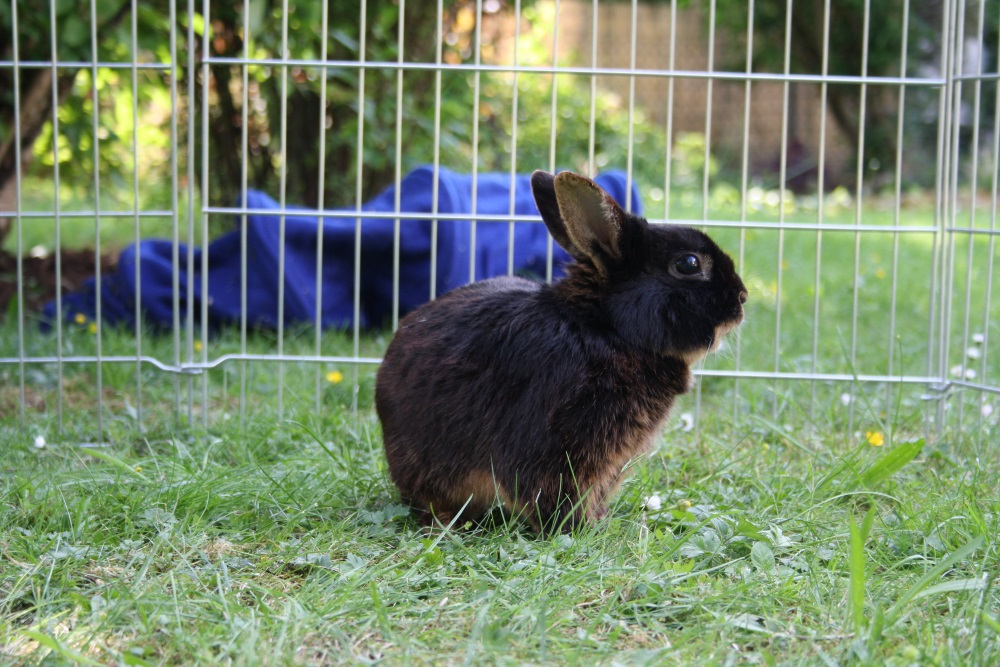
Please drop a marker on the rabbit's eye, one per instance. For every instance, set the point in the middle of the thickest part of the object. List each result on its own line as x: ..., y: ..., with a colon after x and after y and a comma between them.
x: 688, y: 265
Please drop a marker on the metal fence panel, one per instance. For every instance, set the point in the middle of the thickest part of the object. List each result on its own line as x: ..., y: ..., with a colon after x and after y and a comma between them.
x: 949, y: 333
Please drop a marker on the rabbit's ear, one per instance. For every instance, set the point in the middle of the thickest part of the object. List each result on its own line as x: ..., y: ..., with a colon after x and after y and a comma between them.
x: 593, y: 220
x: 543, y: 188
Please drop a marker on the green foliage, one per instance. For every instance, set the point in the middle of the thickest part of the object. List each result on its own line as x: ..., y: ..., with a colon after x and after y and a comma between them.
x: 303, y: 116
x: 300, y: 118
x: 75, y: 44
x: 454, y: 134
x: 295, y: 162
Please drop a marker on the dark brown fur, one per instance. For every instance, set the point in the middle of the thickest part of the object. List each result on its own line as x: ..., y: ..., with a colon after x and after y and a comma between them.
x: 538, y: 395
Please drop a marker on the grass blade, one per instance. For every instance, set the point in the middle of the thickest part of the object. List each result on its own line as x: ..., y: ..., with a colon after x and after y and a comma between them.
x: 991, y: 622
x: 116, y: 462
x: 856, y: 562
x: 891, y: 462
x: 957, y: 585
x: 59, y: 648
x: 924, y: 583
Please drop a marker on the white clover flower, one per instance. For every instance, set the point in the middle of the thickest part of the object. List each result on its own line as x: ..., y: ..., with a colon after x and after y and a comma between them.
x: 973, y: 353
x: 39, y: 442
x: 652, y: 503
x: 845, y: 399
x: 986, y: 410
x: 956, y: 371
x: 978, y: 338
x: 687, y: 421
x: 970, y: 373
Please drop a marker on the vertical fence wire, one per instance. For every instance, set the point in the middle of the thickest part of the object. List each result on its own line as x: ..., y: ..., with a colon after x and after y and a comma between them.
x: 398, y: 167
x: 137, y: 276
x: 591, y: 137
x: 991, y: 254
x: 321, y: 196
x: 936, y: 355
x: 820, y: 202
x: 174, y: 207
x: 191, y: 178
x: 203, y: 323
x: 672, y: 56
x: 630, y: 149
x: 476, y: 92
x: 967, y: 372
x: 244, y: 182
x: 707, y: 158
x: 513, y: 138
x: 57, y: 213
x: 99, y: 367
x: 954, y: 130
x: 897, y: 204
x: 553, y: 115
x: 973, y: 203
x: 436, y: 184
x: 358, y: 193
x: 709, y: 89
x: 782, y: 176
x: 744, y: 177
x: 283, y: 201
x: 859, y: 205
x: 19, y: 241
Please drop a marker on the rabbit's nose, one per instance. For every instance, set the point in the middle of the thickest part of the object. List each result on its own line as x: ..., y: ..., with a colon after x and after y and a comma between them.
x: 743, y: 297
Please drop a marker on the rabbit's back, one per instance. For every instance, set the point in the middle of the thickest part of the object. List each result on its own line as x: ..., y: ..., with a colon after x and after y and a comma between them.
x: 465, y: 373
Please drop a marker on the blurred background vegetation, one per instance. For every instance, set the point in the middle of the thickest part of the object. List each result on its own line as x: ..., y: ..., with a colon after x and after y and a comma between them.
x: 77, y: 35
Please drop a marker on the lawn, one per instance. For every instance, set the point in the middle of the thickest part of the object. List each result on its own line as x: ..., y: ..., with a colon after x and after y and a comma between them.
x: 788, y: 523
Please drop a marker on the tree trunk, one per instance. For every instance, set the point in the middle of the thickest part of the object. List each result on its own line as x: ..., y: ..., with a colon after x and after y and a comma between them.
x: 36, y: 110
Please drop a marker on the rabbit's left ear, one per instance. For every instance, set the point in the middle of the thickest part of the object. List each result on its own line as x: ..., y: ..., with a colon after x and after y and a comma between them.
x: 543, y: 189
x: 593, y: 220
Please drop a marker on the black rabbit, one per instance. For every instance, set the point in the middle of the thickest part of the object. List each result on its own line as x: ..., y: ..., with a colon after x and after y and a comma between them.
x: 538, y: 395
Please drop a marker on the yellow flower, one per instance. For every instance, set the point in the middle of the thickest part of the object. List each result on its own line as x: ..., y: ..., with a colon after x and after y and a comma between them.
x: 197, y: 346
x: 334, y: 377
x: 684, y: 505
x: 880, y: 273
x: 80, y: 318
x: 874, y: 438
x: 138, y: 468
x: 92, y: 328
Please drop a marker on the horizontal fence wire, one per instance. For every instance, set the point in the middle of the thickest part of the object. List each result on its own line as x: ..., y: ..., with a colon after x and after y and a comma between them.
x: 195, y: 368
x: 405, y: 216
x: 624, y: 72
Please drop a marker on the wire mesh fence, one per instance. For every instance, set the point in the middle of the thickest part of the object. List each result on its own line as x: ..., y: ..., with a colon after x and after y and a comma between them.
x: 340, y: 163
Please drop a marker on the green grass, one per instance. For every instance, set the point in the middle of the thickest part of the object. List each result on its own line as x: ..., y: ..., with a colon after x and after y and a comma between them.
x: 284, y: 543
x: 217, y: 531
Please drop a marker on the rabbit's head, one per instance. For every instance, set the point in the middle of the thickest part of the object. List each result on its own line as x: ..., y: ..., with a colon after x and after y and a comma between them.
x: 664, y: 288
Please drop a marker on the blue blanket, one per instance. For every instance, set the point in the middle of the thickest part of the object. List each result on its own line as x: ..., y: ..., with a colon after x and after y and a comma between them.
x: 531, y: 239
